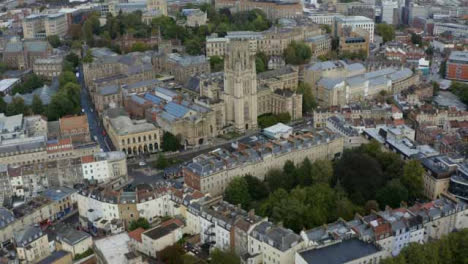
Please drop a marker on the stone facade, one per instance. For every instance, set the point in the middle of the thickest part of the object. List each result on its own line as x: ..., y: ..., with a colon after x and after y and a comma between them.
x: 354, y: 41
x: 22, y: 55
x: 48, y: 68
x: 208, y: 176
x: 240, y: 86
x: 182, y: 67
x: 133, y: 137
x: 320, y: 45
x: 40, y: 26
x: 272, y: 41
x: 273, y: 9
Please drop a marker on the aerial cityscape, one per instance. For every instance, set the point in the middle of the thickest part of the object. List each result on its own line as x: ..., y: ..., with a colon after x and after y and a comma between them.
x: 233, y: 131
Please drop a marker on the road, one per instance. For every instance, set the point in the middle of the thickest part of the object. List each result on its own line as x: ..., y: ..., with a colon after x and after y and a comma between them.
x: 95, y: 127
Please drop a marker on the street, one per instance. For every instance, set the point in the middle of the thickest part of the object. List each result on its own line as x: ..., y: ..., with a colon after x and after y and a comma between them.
x: 95, y: 126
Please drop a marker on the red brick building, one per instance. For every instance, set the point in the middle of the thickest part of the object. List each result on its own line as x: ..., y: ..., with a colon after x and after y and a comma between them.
x: 457, y: 66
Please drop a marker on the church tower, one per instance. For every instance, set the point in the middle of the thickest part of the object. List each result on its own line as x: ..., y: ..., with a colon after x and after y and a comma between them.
x: 240, y: 85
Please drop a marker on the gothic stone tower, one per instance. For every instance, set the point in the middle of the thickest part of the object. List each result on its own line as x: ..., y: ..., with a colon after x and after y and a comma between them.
x: 240, y: 85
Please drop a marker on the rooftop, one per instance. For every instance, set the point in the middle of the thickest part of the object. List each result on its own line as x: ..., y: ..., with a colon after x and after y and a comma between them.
x: 114, y: 248
x: 54, y: 257
x: 123, y: 125
x: 68, y: 234
x: 341, y: 252
x: 186, y: 60
x: 7, y: 83
x: 459, y: 56
x: 27, y: 235
x: 58, y: 193
x: 72, y: 123
x: 160, y: 231
x: 9, y: 124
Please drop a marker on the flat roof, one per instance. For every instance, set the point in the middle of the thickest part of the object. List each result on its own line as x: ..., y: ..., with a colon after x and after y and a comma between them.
x: 7, y: 83
x: 160, y: 231
x: 342, y: 252
x: 114, y: 248
x: 52, y: 258
x: 278, y: 128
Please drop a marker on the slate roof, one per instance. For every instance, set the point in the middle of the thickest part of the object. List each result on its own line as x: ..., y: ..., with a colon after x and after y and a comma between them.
x: 27, y: 235
x: 343, y: 252
x: 278, y: 237
x: 176, y: 110
x: 161, y: 231
x: 58, y: 193
x: 54, y: 257
x: 108, y: 90
x: 6, y: 217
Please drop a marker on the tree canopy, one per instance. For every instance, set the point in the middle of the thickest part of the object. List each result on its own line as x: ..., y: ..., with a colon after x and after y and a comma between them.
x: 297, y: 53
x: 450, y: 249
x: 460, y: 90
x: 237, y: 192
x: 267, y: 120
x: 140, y: 222
x: 31, y: 83
x: 216, y: 63
x: 387, y: 32
x: 308, y: 100
x: 224, y: 257
x: 309, y: 194
x: 170, y: 142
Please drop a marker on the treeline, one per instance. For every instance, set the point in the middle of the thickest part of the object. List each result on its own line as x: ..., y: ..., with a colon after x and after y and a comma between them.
x: 309, y: 194
x: 450, y: 249
x: 65, y: 102
x: 31, y: 82
x: 267, y: 120
x: 460, y: 90
x: 192, y: 38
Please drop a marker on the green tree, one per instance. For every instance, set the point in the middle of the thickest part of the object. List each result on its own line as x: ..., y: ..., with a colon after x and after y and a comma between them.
x: 17, y: 106
x: 435, y: 88
x: 140, y: 222
x: 237, y: 192
x: 387, y: 32
x: 371, y: 205
x: 326, y: 28
x: 449, y: 249
x: 88, y: 58
x: 257, y: 189
x: 223, y: 257
x: 54, y: 41
x: 67, y: 77
x: 73, y: 59
x: 3, y: 105
x: 322, y: 171
x: 412, y: 178
x: 416, y: 39
x: 193, y: 46
x: 162, y: 162
x: 37, y: 106
x: 216, y: 63
x: 31, y: 83
x: 392, y: 194
x: 443, y: 68
x: 308, y: 100
x: 172, y: 254
x: 139, y: 47
x: 261, y: 62
x: 460, y: 90
x: 170, y: 142
x: 297, y: 53
x: 359, y: 173
x: 276, y: 180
